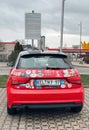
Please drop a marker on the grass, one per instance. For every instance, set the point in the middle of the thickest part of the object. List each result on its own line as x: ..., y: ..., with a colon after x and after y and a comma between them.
x: 84, y: 77
x: 3, y: 79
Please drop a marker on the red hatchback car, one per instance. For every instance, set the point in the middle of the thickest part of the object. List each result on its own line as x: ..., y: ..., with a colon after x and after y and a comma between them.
x: 44, y: 79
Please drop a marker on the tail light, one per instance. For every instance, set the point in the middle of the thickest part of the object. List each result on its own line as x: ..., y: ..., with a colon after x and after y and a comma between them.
x: 18, y: 80
x: 21, y: 80
x: 20, y: 83
x: 74, y: 80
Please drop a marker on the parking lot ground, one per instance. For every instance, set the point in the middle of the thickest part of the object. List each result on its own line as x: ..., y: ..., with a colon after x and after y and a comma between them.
x: 44, y: 119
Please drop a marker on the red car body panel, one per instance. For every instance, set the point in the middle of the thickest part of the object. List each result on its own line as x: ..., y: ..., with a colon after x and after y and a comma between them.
x: 18, y: 92
x: 50, y: 96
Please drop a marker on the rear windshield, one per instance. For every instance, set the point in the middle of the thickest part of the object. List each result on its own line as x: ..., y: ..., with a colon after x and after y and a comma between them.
x: 44, y: 62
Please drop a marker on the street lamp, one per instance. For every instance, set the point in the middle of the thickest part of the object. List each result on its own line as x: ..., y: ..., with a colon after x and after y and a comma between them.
x: 80, y: 35
x: 62, y: 24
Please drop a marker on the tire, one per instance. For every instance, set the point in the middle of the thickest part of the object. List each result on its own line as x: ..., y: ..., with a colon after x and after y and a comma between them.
x: 11, y: 111
x: 76, y: 109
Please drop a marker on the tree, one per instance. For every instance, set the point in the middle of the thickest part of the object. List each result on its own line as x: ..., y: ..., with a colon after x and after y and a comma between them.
x: 18, y: 47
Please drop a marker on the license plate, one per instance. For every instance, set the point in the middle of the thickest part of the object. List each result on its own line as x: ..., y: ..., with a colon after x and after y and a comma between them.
x: 47, y: 82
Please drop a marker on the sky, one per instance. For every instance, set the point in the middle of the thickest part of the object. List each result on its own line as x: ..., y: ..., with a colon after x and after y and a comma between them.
x: 12, y: 20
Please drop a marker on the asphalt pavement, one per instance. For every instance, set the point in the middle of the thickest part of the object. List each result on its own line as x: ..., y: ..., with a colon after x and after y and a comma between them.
x: 80, y: 64
x: 3, y: 64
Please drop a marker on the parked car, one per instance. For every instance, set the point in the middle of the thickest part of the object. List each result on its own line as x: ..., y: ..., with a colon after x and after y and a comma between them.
x: 10, y: 63
x: 44, y: 79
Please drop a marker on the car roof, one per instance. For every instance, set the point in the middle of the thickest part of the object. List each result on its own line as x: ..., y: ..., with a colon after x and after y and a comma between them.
x: 22, y: 53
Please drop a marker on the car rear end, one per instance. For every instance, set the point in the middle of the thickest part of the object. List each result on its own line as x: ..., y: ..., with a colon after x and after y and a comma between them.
x: 37, y: 82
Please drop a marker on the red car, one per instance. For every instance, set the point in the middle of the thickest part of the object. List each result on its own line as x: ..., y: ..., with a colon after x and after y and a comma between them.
x: 44, y: 79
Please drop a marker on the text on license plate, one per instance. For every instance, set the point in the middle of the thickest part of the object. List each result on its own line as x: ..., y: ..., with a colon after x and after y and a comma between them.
x: 47, y: 82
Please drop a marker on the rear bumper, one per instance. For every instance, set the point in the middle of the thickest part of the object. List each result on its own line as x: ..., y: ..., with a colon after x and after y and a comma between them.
x: 43, y: 98
x: 50, y: 105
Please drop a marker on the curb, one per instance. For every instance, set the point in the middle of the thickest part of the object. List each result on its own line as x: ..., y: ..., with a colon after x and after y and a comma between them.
x: 86, y: 86
x: 81, y: 66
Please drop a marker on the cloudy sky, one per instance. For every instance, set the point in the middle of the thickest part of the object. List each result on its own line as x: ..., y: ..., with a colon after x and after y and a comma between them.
x: 12, y: 20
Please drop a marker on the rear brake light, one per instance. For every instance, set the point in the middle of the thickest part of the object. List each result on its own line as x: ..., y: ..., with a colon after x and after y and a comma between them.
x: 21, y: 74
x: 16, y: 82
x: 74, y: 80
x: 22, y: 82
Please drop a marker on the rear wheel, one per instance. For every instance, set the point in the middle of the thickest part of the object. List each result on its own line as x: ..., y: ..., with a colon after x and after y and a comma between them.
x: 76, y: 109
x: 11, y: 111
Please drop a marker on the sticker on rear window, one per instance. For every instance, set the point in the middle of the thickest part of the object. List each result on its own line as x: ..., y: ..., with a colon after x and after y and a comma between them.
x: 40, y: 73
x: 33, y: 75
x: 28, y: 72
x: 66, y: 73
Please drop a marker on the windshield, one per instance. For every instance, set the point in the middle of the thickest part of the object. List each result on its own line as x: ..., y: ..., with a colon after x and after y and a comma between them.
x: 44, y: 62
